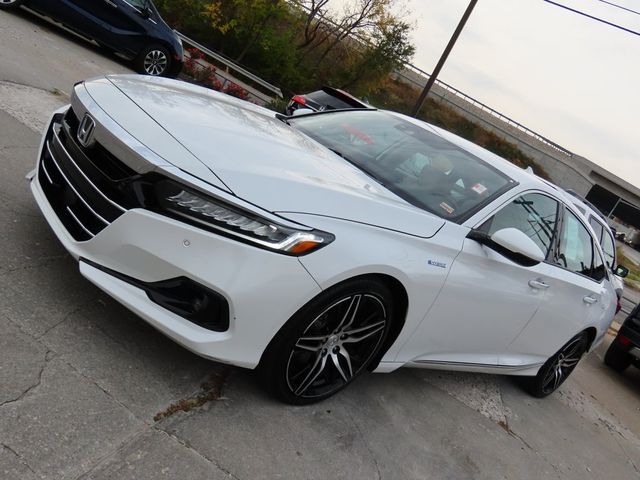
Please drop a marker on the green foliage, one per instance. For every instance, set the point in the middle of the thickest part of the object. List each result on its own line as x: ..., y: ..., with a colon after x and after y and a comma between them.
x: 287, y: 45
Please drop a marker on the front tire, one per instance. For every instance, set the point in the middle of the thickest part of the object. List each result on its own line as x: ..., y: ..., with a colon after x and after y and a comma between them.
x: 328, y: 343
x: 9, y: 4
x: 558, y: 368
x: 153, y: 60
x: 616, y: 357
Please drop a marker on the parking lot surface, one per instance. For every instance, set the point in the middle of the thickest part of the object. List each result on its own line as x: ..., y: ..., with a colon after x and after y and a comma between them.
x: 88, y: 390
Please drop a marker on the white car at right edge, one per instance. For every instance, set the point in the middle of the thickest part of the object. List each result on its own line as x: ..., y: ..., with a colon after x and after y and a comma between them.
x: 318, y: 247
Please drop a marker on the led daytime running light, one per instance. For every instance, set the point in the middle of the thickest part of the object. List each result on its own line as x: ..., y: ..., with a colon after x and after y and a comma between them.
x: 246, y: 226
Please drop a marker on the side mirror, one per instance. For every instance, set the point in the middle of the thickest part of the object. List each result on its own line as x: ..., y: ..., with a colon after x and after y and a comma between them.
x: 512, y: 243
x: 621, y: 271
x: 302, y: 111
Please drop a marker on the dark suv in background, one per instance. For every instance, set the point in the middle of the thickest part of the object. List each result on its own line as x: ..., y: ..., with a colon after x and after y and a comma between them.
x: 625, y: 348
x: 132, y: 28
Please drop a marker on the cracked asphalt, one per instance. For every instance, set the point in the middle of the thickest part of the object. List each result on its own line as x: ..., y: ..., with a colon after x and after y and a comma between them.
x: 82, y: 378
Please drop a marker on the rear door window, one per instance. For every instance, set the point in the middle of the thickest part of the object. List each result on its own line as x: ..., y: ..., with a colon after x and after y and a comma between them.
x: 576, y: 252
x: 597, y: 227
x: 609, y: 248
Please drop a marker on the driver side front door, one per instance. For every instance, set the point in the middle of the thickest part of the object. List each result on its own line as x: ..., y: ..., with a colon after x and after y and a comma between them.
x: 487, y: 299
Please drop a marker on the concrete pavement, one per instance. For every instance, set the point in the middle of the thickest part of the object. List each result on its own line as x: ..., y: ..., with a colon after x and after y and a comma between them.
x: 82, y: 380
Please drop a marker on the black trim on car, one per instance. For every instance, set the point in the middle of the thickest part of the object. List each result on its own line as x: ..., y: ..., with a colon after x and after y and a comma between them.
x: 183, y: 296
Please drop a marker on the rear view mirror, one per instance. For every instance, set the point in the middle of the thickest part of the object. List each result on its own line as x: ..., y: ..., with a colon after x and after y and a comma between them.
x: 518, y: 242
x: 512, y: 243
x: 621, y: 271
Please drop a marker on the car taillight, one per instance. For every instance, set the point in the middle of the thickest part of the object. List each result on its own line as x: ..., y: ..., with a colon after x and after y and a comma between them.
x: 624, y: 341
x: 299, y: 99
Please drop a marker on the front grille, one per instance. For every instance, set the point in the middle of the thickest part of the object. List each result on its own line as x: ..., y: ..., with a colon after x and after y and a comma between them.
x: 85, y: 187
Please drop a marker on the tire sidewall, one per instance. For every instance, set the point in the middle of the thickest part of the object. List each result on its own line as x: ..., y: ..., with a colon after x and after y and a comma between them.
x: 273, y: 366
x: 536, y: 387
x: 13, y: 5
x: 616, y: 357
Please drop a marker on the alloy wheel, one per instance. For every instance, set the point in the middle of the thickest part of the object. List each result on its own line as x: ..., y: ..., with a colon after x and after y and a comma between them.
x: 336, y: 345
x: 564, y: 363
x: 155, y: 63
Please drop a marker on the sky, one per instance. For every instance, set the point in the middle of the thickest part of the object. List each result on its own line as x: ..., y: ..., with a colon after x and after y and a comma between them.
x: 567, y: 77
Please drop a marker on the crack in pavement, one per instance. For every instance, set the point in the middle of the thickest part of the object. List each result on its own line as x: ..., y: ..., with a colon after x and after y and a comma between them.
x: 66, y: 317
x: 536, y: 452
x: 132, y: 437
x: 188, y: 446
x: 49, y: 354
x: 20, y: 458
x: 105, y: 391
x: 366, y: 444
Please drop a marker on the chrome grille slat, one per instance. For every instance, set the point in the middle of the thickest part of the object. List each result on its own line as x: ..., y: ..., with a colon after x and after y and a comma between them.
x: 53, y: 160
x: 73, y: 215
x: 88, y: 188
x: 59, y: 142
x: 44, y: 169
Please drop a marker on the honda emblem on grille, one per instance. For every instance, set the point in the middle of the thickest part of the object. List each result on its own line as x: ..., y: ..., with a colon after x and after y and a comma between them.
x: 85, y: 131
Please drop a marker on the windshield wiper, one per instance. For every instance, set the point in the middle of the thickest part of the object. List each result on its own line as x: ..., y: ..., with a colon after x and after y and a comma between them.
x: 283, y: 118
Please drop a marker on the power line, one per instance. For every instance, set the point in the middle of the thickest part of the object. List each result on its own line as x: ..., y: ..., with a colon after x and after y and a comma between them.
x: 621, y: 7
x: 584, y: 14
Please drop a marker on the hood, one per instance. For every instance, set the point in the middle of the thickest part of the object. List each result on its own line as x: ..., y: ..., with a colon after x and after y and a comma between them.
x: 265, y: 161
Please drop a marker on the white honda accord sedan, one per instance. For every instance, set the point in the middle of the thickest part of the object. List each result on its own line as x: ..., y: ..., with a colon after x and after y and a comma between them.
x: 321, y: 246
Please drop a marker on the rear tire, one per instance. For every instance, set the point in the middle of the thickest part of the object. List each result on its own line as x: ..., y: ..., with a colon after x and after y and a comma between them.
x: 558, y: 368
x: 328, y: 343
x: 154, y: 60
x: 9, y: 4
x: 616, y: 357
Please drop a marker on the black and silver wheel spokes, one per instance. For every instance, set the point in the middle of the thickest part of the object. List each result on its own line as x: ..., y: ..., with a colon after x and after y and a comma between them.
x: 155, y: 63
x: 336, y: 346
x: 564, y: 364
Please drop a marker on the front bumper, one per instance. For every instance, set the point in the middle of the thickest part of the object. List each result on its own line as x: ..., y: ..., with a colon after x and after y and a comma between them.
x: 263, y: 289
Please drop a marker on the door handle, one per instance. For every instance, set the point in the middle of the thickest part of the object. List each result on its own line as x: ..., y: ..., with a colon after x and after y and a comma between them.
x: 538, y: 284
x: 589, y: 300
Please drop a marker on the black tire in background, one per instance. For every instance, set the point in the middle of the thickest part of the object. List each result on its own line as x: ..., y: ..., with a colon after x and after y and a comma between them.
x: 328, y: 343
x: 8, y: 4
x: 154, y: 60
x: 557, y: 368
x: 616, y: 357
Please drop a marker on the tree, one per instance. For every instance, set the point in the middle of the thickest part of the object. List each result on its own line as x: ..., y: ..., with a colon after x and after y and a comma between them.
x: 389, y: 49
x: 315, y: 20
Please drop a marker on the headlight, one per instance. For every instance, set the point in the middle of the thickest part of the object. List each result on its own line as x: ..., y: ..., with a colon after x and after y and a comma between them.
x: 212, y: 214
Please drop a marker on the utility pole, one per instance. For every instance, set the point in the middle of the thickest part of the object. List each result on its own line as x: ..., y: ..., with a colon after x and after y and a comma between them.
x: 443, y: 58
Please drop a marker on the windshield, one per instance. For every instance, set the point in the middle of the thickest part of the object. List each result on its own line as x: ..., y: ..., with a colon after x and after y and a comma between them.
x: 411, y: 161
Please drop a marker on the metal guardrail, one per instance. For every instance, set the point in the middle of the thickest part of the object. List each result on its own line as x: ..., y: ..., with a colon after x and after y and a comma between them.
x: 486, y: 109
x: 231, y: 65
x: 455, y: 91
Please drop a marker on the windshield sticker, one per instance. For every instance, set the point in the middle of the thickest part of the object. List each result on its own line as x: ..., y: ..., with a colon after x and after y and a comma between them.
x: 447, y: 208
x: 359, y: 135
x: 479, y: 188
